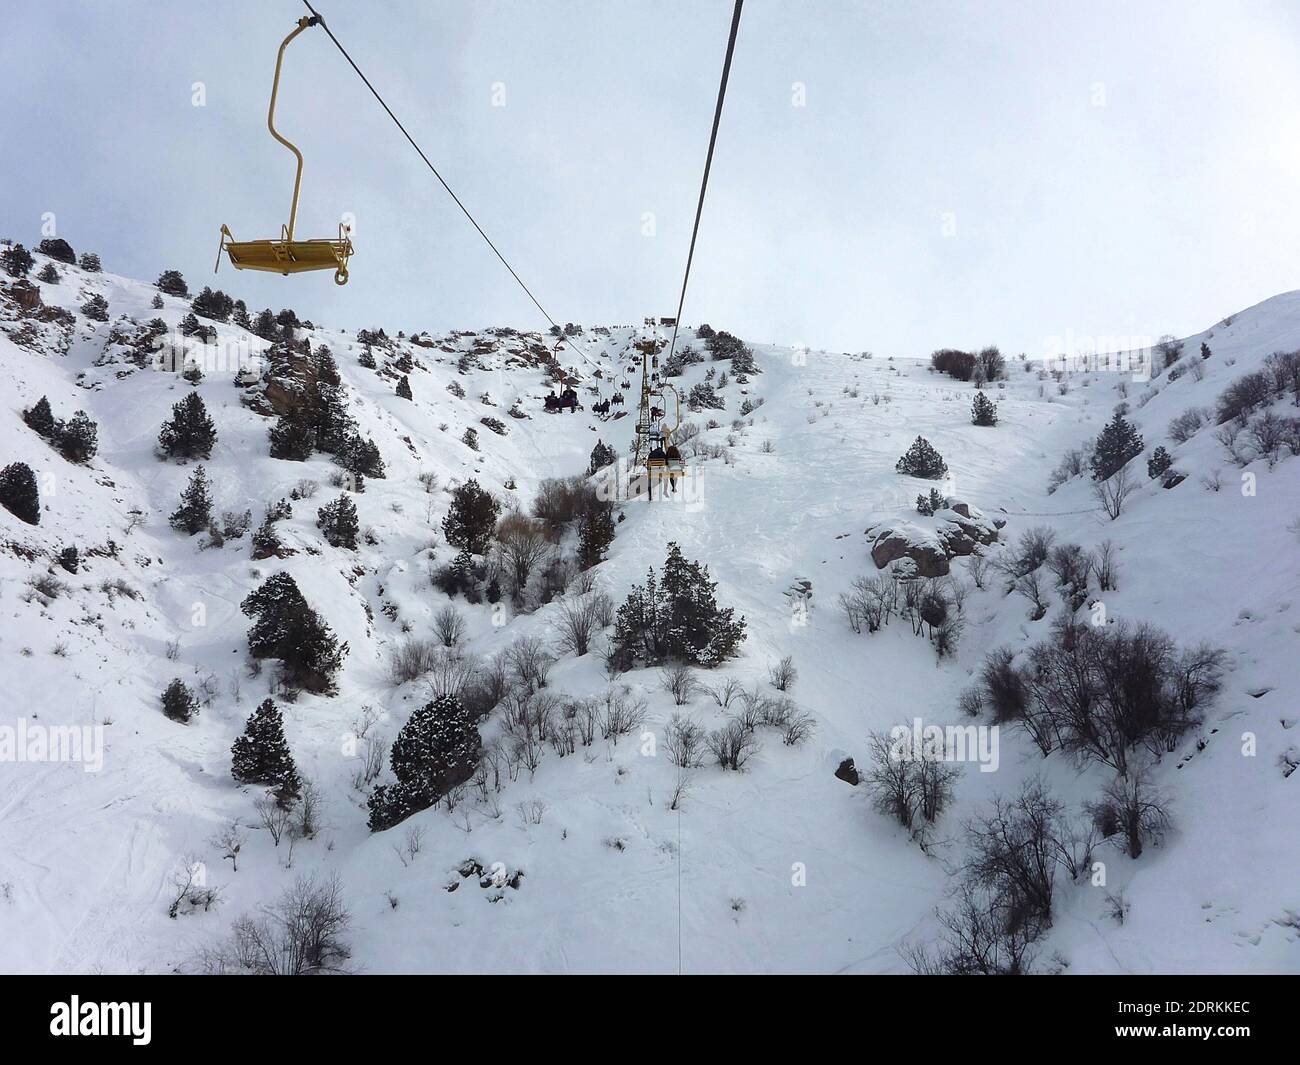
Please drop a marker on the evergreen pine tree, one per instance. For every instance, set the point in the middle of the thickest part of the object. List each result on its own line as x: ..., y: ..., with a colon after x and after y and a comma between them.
x: 922, y: 460
x: 293, y: 437
x: 190, y: 433
x: 261, y: 755
x: 215, y: 305
x: 195, y: 511
x: 338, y: 522
x: 471, y: 518
x: 285, y: 627
x: 96, y: 308
x: 17, y: 261
x: 77, y: 439
x: 157, y: 302
x: 1159, y: 462
x: 367, y: 358
x: 178, y: 702
x: 404, y: 387
x: 595, y: 534
x: 39, y: 418
x: 19, y: 494
x: 983, y: 410
x: 676, y: 618
x: 265, y: 325
x: 239, y: 316
x: 1118, y: 443
x: 89, y: 262
x: 1205, y: 350
x: 172, y: 283
x: 58, y: 248
x: 48, y: 274
x: 436, y: 750
x: 266, y: 541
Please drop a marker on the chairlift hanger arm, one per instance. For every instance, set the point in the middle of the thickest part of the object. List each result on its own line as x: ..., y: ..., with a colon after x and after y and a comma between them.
x: 303, y: 23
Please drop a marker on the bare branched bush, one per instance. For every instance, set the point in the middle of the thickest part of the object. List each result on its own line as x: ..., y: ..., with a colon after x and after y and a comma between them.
x: 678, y: 679
x: 783, y: 674
x: 798, y: 728
x: 451, y: 673
x: 685, y: 742
x: 274, y: 816
x: 523, y: 543
x: 412, y: 659
x: 580, y: 619
x: 301, y: 933
x: 449, y: 626
x: 620, y: 713
x: 733, y: 745
x: 1030, y: 585
x: 1105, y: 566
x: 1133, y: 812
x: 1113, y: 493
x: 724, y: 692
x: 529, y: 662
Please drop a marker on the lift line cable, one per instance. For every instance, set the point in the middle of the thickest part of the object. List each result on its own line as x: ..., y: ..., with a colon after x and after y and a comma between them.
x: 708, y: 163
x: 433, y: 169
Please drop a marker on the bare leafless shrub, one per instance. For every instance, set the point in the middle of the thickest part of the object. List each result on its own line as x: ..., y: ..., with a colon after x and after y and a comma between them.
x: 1236, y: 442
x: 229, y: 841
x: 451, y: 673
x: 978, y: 566
x: 783, y: 674
x: 371, y: 752
x: 412, y: 659
x: 523, y: 543
x: 1105, y: 566
x: 1133, y: 812
x: 797, y: 728
x: 275, y: 817
x: 1184, y: 427
x: 1070, y: 566
x: 685, y: 742
x: 580, y: 618
x: 1030, y: 586
x: 722, y: 693
x: 777, y: 713
x: 733, y: 745
x: 1113, y: 493
x: 678, y: 679
x: 1014, y: 853
x: 620, y: 713
x: 449, y: 626
x: 1072, y: 464
x: 300, y: 934
x: 531, y: 811
x: 978, y: 940
x: 529, y: 662
x: 1029, y: 553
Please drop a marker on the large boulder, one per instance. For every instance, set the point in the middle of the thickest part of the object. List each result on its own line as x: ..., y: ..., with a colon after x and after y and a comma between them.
x: 907, y: 540
x: 923, y: 547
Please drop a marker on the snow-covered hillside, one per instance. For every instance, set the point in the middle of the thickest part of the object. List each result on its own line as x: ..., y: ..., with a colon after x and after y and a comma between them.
x: 782, y: 867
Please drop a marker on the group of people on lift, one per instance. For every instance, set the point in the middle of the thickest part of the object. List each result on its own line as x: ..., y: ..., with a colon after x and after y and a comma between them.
x: 566, y: 400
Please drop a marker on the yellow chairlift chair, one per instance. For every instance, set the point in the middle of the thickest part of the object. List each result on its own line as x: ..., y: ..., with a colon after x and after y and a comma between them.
x: 286, y: 255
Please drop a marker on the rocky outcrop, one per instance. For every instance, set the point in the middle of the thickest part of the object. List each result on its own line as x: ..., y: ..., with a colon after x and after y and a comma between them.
x: 929, y: 545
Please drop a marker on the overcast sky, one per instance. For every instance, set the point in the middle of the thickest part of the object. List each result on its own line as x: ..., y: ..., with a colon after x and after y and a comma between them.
x: 950, y: 174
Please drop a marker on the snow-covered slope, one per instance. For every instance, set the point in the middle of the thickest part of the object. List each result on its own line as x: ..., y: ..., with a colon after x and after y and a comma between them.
x: 780, y: 868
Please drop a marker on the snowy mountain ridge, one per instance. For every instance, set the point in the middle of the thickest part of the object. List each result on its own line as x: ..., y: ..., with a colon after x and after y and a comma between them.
x: 780, y: 867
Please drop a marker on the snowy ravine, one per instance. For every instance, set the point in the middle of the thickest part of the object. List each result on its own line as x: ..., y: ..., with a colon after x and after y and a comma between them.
x: 779, y: 868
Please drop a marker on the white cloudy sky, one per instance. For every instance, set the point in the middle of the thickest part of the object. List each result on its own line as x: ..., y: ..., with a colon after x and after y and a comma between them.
x: 1109, y: 168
